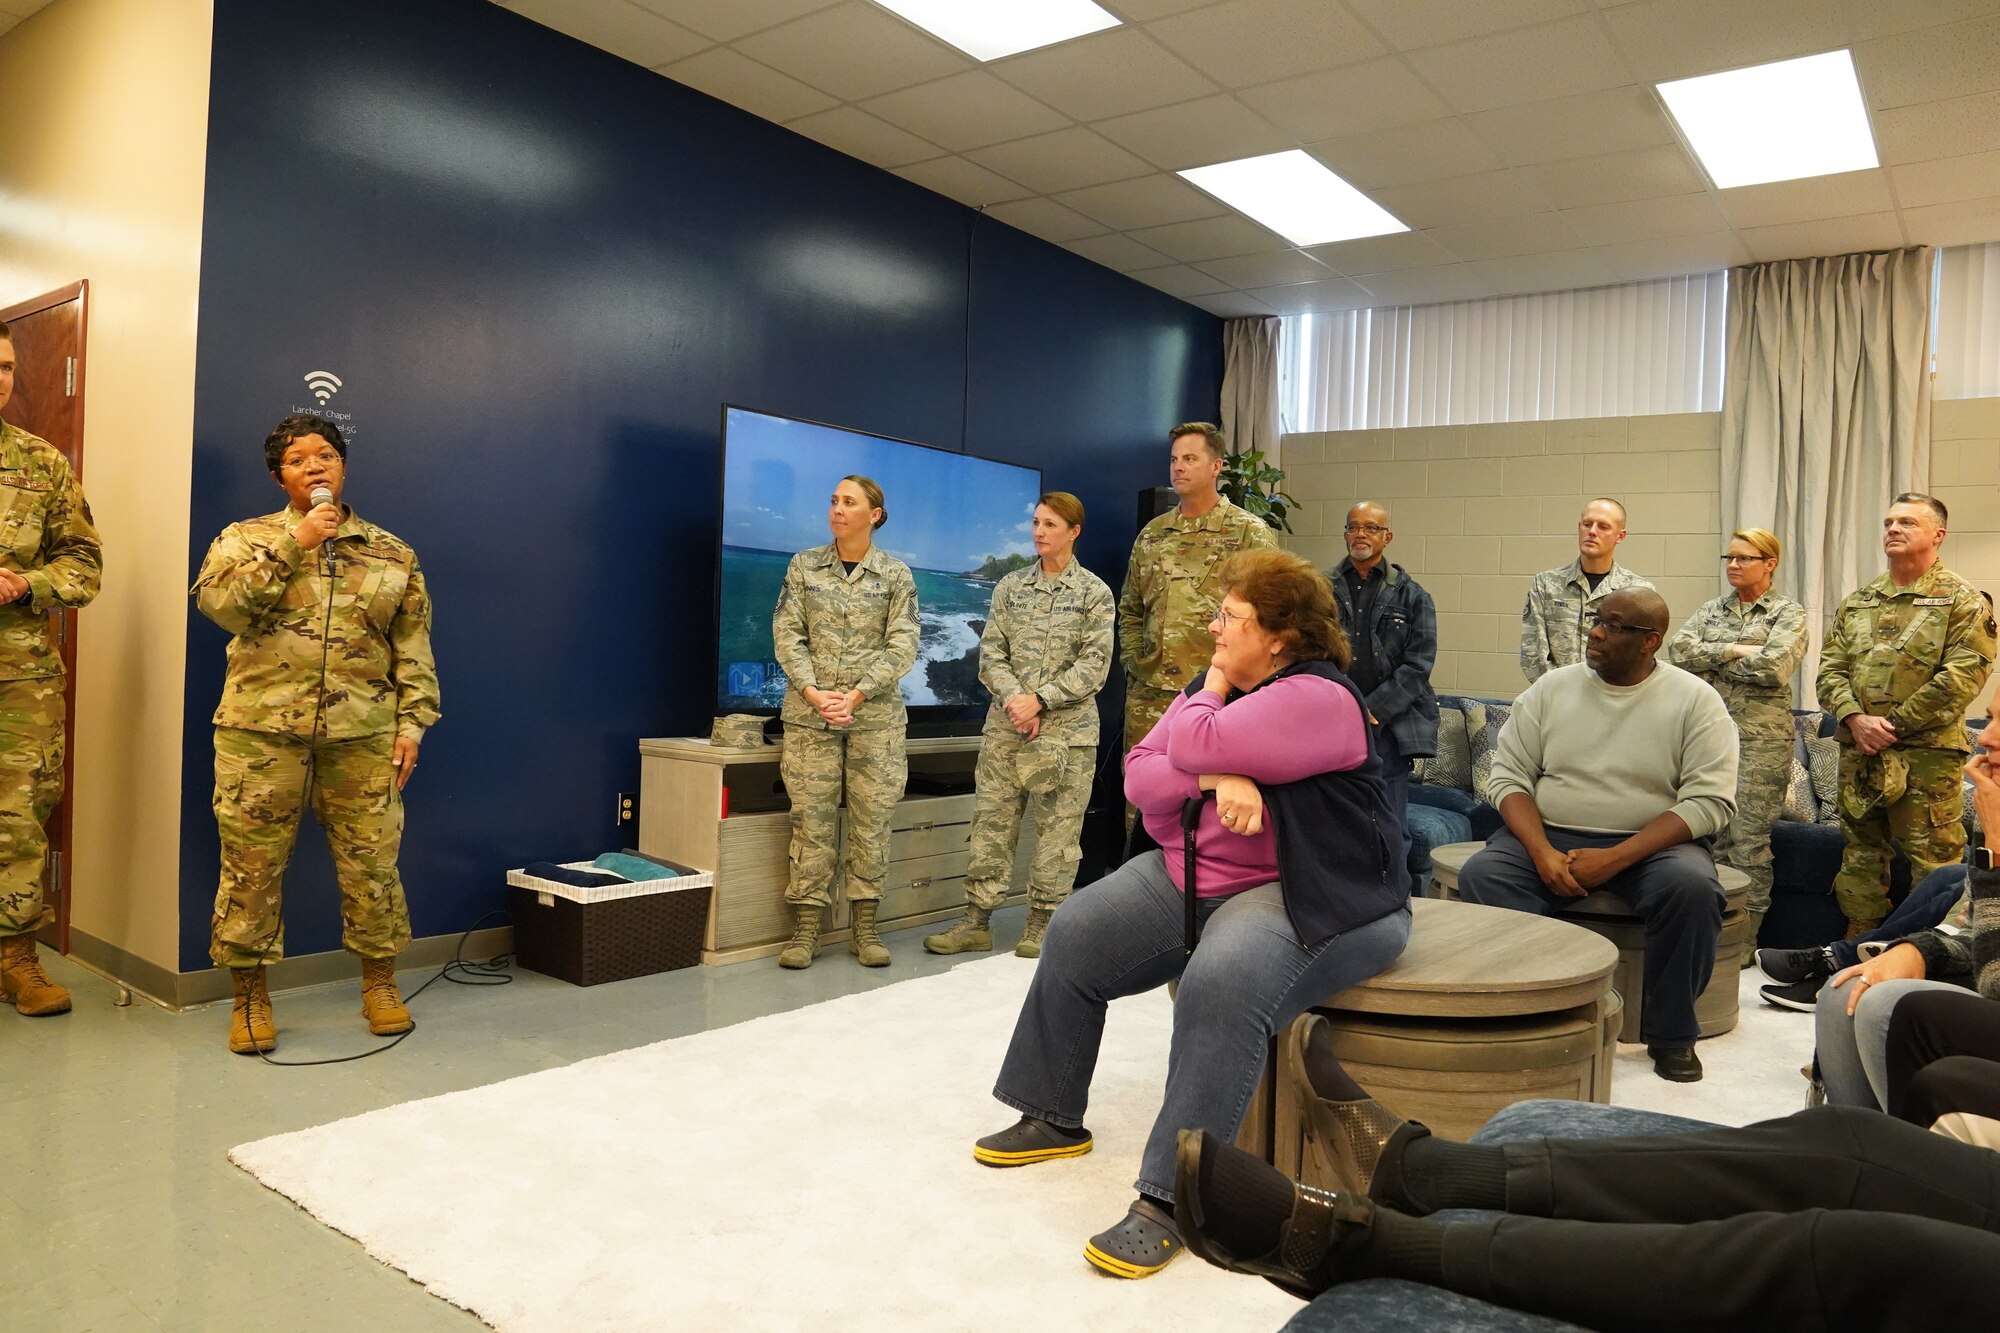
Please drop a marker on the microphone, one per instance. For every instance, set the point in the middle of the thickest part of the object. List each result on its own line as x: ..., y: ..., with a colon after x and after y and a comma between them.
x: 322, y: 495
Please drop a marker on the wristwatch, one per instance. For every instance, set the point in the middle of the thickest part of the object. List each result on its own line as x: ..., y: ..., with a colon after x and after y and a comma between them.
x: 1982, y: 858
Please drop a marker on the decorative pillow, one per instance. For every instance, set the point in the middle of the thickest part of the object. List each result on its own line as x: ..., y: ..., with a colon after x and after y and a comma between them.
x: 1801, y: 806
x: 1823, y: 759
x: 1484, y: 722
x: 1451, y: 766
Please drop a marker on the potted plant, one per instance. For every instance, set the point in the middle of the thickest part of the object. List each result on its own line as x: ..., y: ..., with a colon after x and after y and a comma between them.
x: 1250, y: 482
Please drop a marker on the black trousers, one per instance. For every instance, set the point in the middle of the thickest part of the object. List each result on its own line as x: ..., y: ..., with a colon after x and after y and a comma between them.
x: 1943, y: 1056
x: 1835, y: 1217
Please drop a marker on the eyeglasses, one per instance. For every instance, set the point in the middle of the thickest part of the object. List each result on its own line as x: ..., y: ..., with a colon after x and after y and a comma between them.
x: 1227, y: 618
x: 1745, y: 559
x: 1369, y: 529
x: 1614, y: 627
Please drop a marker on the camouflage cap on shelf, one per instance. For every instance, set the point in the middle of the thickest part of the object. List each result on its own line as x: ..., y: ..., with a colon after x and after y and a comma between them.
x: 737, y: 731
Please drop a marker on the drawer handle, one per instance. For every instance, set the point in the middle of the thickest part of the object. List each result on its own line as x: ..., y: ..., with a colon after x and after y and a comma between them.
x: 920, y: 883
x: 921, y: 828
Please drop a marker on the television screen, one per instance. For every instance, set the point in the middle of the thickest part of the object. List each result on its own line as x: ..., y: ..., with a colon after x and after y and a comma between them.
x: 959, y: 522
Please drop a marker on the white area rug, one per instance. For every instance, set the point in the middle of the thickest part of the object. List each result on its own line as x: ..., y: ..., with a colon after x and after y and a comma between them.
x: 813, y: 1170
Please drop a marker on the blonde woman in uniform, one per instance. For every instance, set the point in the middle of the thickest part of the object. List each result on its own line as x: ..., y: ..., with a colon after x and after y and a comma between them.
x: 845, y: 632
x: 1044, y: 656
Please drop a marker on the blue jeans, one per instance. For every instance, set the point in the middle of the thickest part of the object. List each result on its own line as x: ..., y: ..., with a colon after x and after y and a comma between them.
x: 1396, y: 778
x: 1247, y: 980
x: 1853, y: 1053
x: 1922, y: 908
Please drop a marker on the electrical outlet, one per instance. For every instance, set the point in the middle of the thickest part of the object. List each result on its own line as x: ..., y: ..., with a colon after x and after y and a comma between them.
x: 628, y: 807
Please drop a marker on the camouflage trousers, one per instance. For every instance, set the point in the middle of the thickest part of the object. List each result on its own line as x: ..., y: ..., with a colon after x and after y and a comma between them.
x: 1144, y: 707
x: 31, y: 777
x: 996, y: 824
x: 260, y: 797
x: 1926, y: 824
x: 1764, y: 766
x: 818, y: 766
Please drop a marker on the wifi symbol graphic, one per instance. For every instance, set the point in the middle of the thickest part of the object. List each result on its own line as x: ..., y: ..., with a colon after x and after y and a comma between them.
x: 323, y: 383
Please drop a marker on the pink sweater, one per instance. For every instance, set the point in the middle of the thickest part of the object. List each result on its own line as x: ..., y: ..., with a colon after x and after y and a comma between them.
x: 1290, y: 729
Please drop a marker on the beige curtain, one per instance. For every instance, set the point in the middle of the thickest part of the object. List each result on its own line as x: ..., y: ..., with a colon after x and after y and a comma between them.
x: 1826, y: 414
x: 1250, y: 385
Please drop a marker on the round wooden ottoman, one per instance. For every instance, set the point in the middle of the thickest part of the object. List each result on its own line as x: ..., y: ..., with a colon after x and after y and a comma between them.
x: 1486, y: 1007
x: 1718, y: 1007
x: 1446, y: 862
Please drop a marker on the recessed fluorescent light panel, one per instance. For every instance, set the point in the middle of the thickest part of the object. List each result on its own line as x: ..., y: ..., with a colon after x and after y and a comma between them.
x: 990, y: 29
x: 1294, y: 195
x: 1776, y: 122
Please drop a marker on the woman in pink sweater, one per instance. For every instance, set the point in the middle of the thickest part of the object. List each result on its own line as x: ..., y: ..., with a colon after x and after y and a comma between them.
x: 1298, y: 891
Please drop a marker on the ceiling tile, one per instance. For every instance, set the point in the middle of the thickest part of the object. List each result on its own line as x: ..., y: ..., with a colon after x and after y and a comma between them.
x: 1673, y: 256
x: 1432, y: 150
x: 1105, y: 74
x: 1638, y: 173
x: 1526, y: 65
x: 1300, y: 297
x: 853, y: 50
x: 1046, y: 219
x: 1116, y: 252
x: 741, y: 81
x: 1446, y: 203
x: 1273, y: 270
x: 1245, y: 42
x: 1232, y: 305
x: 1607, y: 121
x: 617, y: 26
x: 1381, y: 254
x: 1195, y: 134
x: 1673, y: 39
x: 1181, y: 280
x: 967, y: 182
x: 1546, y: 273
x: 1536, y: 234
x: 1939, y: 129
x: 738, y: 18
x: 1963, y: 222
x: 1828, y: 236
x: 1932, y: 64
x: 1146, y: 202
x: 1354, y: 99
x: 967, y: 110
x: 1409, y: 24
x: 1872, y: 18
x: 1844, y: 195
x: 1646, y: 219
x: 1065, y: 160
x: 1425, y: 286
x: 859, y: 134
x: 1921, y: 184
x: 1211, y: 238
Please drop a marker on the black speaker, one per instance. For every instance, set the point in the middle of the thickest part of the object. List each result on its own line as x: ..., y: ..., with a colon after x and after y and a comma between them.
x: 1155, y: 501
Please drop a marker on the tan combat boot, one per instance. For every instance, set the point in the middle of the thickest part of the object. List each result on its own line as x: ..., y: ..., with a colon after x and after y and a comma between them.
x: 1750, y: 940
x: 971, y: 934
x: 863, y: 942
x: 805, y: 937
x: 23, y: 983
x: 250, y: 1026
x: 1031, y: 934
x: 381, y: 1005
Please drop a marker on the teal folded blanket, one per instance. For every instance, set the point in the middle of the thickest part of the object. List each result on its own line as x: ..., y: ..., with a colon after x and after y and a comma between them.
x: 635, y: 868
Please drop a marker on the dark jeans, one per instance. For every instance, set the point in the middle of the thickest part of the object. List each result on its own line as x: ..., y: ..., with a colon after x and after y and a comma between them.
x: 1674, y: 892
x: 1395, y: 777
x: 1921, y: 909
x: 1943, y: 1055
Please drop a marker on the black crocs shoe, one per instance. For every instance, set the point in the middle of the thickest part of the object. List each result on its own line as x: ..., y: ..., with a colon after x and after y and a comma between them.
x: 1141, y: 1245
x: 1028, y: 1142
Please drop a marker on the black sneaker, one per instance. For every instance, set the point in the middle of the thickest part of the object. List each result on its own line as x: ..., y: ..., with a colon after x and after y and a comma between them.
x: 1800, y: 995
x: 1786, y: 966
x: 1676, y: 1064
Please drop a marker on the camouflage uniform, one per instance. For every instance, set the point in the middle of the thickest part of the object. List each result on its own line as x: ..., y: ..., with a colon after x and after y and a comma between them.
x: 46, y: 537
x: 1553, y: 624
x: 1918, y: 656
x: 282, y: 726
x: 1758, y: 693
x: 839, y: 631
x: 1052, y: 638
x: 1171, y: 589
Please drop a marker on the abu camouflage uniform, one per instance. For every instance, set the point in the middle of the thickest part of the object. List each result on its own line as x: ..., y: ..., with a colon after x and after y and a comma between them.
x: 1918, y: 656
x: 282, y: 727
x: 1049, y: 637
x: 1172, y: 587
x: 839, y: 631
x: 1758, y: 693
x: 1554, y: 619
x: 47, y: 538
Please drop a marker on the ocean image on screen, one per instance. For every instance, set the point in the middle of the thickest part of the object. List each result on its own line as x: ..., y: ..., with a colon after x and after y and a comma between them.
x: 958, y: 522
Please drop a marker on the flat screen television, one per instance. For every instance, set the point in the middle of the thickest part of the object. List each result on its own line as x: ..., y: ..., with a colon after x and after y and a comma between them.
x: 958, y: 521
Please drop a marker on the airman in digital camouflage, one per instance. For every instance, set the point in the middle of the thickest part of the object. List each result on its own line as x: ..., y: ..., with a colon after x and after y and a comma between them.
x: 329, y: 689
x: 1555, y: 619
x: 1044, y: 655
x: 50, y: 560
x: 846, y: 632
x: 1905, y: 658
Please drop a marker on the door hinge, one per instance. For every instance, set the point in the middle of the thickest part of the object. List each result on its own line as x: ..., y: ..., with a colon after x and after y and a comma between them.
x: 69, y: 377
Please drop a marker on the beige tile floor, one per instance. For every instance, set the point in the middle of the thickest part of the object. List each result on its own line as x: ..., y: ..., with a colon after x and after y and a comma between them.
x: 119, y: 1209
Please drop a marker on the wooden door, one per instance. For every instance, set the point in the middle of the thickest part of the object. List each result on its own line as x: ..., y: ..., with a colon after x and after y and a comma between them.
x: 48, y: 336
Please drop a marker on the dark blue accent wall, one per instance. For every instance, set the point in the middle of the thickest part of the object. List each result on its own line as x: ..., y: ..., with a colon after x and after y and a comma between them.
x: 539, y: 271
